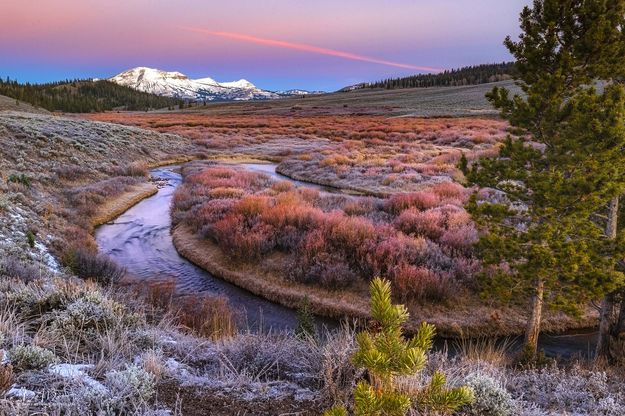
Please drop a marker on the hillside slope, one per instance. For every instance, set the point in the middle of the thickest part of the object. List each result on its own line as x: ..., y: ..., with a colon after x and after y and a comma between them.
x: 44, y: 160
x: 469, y: 75
x: 465, y: 101
x: 11, y: 104
x: 83, y: 96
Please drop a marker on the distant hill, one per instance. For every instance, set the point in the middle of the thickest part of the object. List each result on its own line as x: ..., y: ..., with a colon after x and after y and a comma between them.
x: 470, y: 75
x: 11, y: 104
x: 83, y: 96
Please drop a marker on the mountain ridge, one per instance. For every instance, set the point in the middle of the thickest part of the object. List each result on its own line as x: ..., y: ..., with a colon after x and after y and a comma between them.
x: 178, y: 85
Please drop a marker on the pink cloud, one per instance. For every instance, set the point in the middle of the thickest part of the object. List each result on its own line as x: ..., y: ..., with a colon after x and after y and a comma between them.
x: 310, y: 48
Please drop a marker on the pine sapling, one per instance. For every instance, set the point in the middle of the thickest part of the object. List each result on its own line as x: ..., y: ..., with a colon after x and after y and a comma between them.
x: 386, y: 355
x: 305, y: 321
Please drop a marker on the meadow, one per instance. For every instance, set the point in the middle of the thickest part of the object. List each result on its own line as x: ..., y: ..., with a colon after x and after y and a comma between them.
x: 392, y: 160
x: 80, y: 340
x: 368, y: 153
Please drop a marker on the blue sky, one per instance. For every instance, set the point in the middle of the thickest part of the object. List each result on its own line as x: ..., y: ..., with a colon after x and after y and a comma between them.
x: 277, y: 44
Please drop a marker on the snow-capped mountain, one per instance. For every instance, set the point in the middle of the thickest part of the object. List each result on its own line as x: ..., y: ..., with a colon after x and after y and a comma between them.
x: 176, y: 84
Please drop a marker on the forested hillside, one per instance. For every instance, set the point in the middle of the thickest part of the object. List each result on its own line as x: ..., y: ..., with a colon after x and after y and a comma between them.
x: 470, y: 75
x: 83, y: 96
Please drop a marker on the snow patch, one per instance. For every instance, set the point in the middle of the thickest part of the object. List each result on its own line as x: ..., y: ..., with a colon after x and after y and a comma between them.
x: 46, y: 258
x: 20, y: 393
x: 77, y: 372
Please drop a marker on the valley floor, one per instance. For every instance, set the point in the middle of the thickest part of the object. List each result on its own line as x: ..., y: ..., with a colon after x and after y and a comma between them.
x: 77, y: 347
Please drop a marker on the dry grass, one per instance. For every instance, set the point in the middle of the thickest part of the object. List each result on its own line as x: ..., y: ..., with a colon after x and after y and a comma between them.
x: 152, y: 362
x: 467, y: 101
x: 206, y: 317
x: 131, y: 356
x: 6, y: 375
x: 494, y: 351
x: 114, y: 207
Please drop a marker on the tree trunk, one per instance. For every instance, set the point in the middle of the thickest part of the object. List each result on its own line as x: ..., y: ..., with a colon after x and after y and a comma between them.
x: 607, y: 305
x: 533, y: 325
x: 620, y: 322
x: 612, y: 224
x: 605, y: 323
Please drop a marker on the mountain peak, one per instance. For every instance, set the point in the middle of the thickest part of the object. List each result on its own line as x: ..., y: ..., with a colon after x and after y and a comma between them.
x: 242, y: 83
x: 142, y: 71
x: 178, y: 85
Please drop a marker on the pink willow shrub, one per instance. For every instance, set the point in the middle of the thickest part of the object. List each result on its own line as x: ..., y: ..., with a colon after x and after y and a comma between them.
x: 451, y: 193
x: 317, y: 263
x: 461, y: 238
x: 419, y: 200
x: 283, y: 186
x: 339, y: 243
x: 210, y: 212
x: 242, y: 239
x: 360, y: 207
x: 218, y: 177
x: 420, y: 283
x: 413, y: 239
x: 291, y: 221
x: 421, y: 223
x: 396, y: 250
x: 225, y: 193
x: 309, y: 195
x: 301, y: 216
x: 354, y: 237
x: 253, y: 205
x: 432, y: 223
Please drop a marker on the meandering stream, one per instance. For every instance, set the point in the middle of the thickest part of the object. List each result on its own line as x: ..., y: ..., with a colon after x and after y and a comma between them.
x: 140, y: 240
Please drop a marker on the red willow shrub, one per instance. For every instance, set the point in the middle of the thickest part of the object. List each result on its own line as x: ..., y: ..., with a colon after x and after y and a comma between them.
x: 422, y: 223
x: 418, y: 240
x: 420, y: 283
x: 243, y: 239
x: 418, y: 200
x: 396, y: 250
x: 450, y: 190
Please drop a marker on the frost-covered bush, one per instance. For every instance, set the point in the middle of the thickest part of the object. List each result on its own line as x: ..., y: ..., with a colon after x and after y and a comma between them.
x: 90, y: 315
x: 268, y: 357
x: 41, y: 296
x: 123, y: 392
x: 15, y: 269
x: 491, y: 399
x: 576, y: 390
x: 31, y: 357
x: 129, y: 389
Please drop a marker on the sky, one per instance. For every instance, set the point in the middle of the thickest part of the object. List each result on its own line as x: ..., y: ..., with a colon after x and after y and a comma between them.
x: 276, y: 44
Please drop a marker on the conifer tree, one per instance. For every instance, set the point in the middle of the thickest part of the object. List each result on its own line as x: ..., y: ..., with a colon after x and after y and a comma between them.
x: 305, y: 321
x: 569, y: 166
x: 386, y: 355
x: 463, y: 164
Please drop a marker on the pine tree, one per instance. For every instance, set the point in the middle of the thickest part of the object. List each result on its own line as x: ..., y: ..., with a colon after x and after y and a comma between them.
x: 84, y: 96
x: 305, y: 321
x: 470, y: 75
x: 568, y: 169
x: 386, y: 355
x: 463, y: 164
